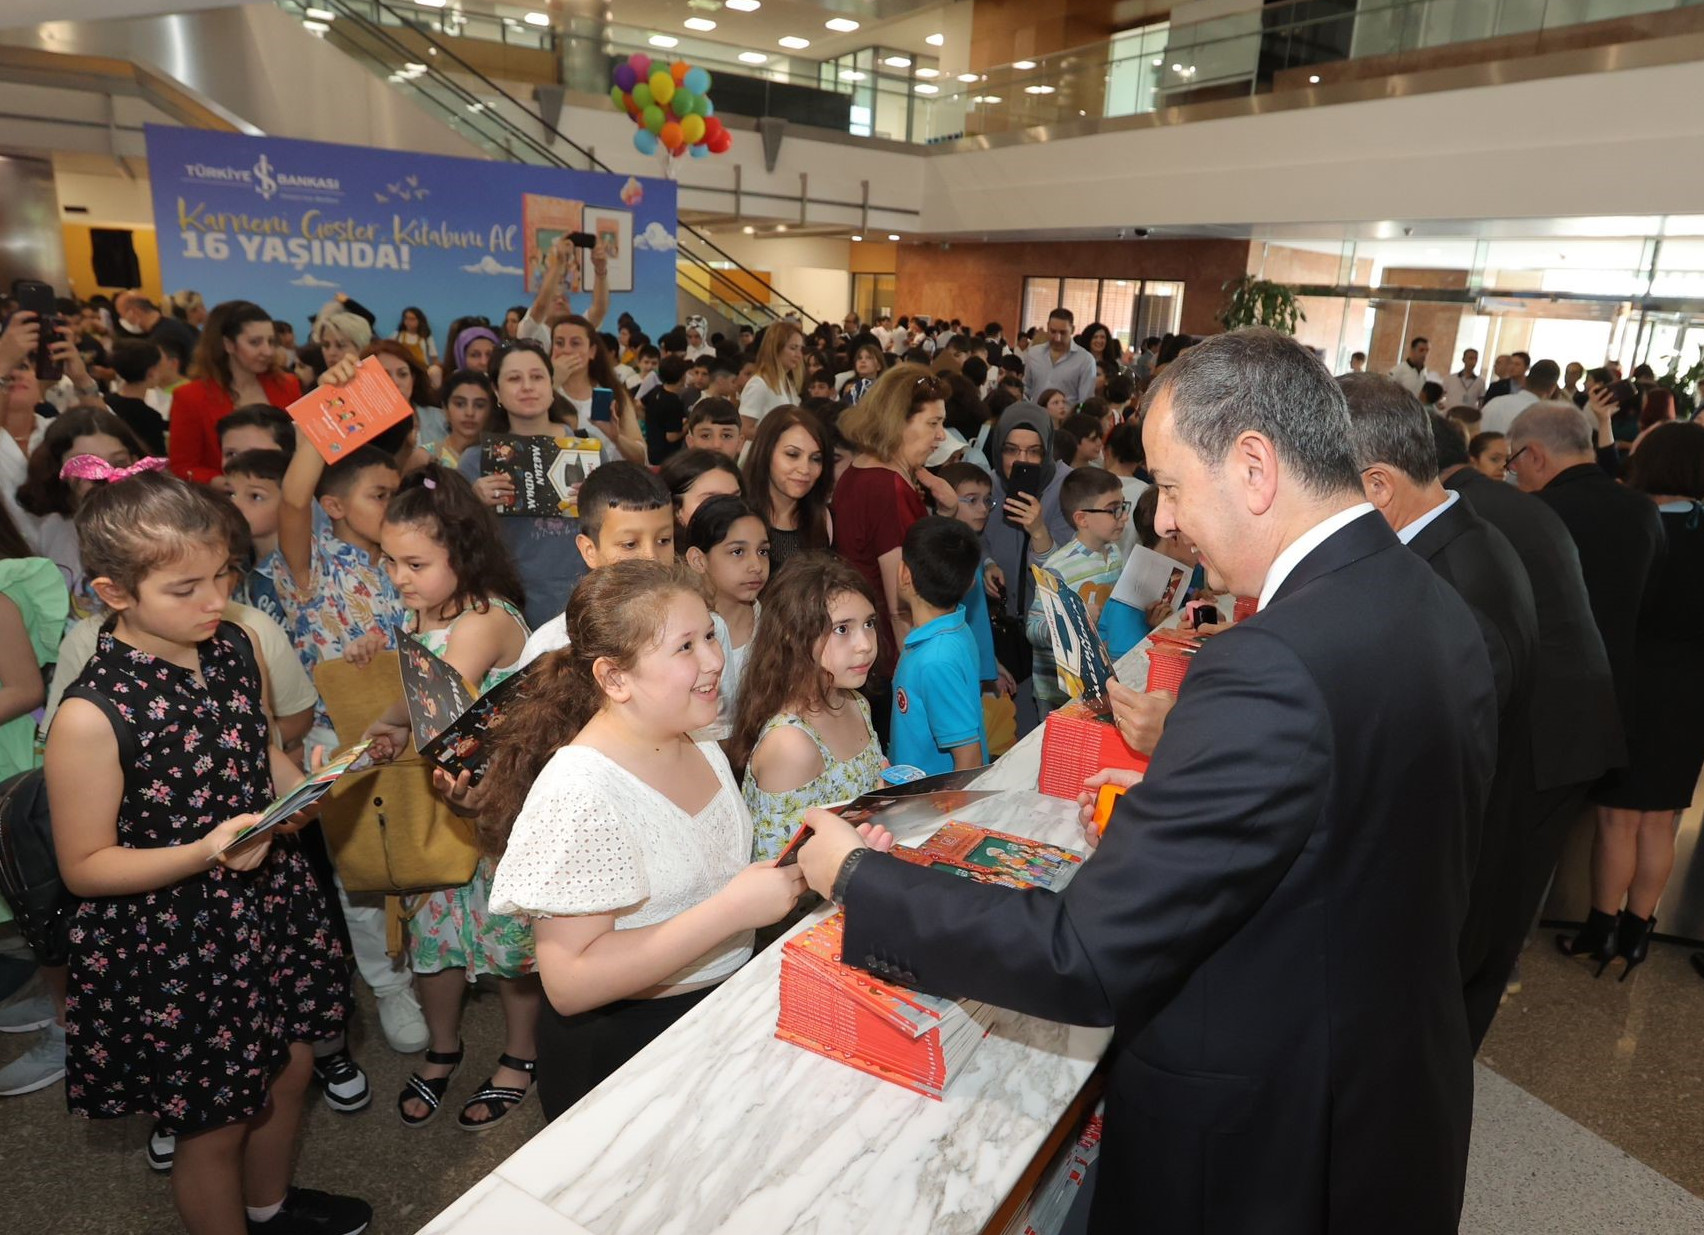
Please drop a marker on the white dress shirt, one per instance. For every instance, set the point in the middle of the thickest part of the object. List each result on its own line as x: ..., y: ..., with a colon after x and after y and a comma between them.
x: 1497, y: 415
x: 1460, y: 389
x: 1412, y: 379
x: 1305, y: 544
x: 1407, y: 534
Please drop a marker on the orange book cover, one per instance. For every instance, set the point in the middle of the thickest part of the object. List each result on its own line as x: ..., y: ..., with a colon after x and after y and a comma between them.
x: 543, y: 220
x: 340, y: 419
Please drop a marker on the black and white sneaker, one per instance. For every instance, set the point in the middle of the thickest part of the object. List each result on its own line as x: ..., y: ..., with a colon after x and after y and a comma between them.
x: 307, y: 1212
x: 345, y: 1085
x: 161, y: 1148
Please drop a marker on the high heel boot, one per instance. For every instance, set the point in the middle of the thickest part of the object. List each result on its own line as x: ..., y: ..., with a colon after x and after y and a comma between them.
x: 1633, y: 940
x: 1596, y: 939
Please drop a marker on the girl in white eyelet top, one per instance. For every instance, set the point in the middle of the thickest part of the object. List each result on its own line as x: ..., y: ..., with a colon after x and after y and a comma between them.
x: 629, y: 843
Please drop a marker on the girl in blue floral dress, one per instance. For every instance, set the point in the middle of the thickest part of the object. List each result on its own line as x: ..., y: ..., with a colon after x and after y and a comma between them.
x: 198, y: 976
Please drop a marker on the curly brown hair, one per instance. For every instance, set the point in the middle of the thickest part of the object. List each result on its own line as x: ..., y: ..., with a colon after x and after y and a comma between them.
x: 441, y: 501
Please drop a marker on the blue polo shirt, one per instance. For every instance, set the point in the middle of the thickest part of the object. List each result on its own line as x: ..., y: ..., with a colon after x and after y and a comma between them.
x: 937, y: 698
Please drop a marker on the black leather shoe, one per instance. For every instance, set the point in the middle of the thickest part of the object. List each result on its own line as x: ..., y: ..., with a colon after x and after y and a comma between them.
x: 1633, y: 940
x: 1596, y: 939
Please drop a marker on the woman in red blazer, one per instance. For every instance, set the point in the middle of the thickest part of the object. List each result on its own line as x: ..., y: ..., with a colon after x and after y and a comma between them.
x: 236, y: 364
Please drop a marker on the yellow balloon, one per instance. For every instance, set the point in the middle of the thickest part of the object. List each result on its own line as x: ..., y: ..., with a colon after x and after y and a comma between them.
x: 662, y: 87
x: 692, y: 129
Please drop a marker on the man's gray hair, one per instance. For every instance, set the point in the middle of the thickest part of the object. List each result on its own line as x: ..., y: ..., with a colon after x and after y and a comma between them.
x: 1561, y: 428
x: 1387, y: 425
x: 1257, y: 379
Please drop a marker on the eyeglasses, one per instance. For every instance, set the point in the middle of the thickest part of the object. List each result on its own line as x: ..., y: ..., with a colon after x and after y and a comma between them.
x: 1117, y: 510
x: 1029, y: 454
x: 1510, y: 461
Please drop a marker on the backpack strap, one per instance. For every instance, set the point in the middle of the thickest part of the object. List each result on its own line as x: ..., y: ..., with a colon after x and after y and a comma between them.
x: 121, y: 728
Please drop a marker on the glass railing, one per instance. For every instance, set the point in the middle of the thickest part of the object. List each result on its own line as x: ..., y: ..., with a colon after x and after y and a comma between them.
x: 1142, y: 70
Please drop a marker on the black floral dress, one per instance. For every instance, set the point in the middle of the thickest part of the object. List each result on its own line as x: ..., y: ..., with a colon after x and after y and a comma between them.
x: 183, y: 1001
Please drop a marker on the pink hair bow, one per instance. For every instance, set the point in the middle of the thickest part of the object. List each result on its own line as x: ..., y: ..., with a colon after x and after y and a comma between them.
x: 93, y: 467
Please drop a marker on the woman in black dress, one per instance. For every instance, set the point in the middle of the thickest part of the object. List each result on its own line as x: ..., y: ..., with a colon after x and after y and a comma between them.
x: 1666, y: 744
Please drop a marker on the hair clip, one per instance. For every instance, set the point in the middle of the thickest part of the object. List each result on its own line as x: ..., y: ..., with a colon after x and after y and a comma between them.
x: 429, y: 482
x: 93, y: 467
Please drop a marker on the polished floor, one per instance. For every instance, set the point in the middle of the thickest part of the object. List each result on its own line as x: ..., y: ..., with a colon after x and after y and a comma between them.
x: 1590, y: 1121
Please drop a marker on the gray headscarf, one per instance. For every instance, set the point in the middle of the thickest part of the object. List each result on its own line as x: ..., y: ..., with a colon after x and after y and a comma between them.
x: 1008, y: 545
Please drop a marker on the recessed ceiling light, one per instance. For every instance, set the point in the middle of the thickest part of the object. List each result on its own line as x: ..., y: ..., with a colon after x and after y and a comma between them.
x: 852, y: 75
x: 1038, y: 89
x: 1313, y: 79
x: 841, y: 25
x: 663, y: 40
x: 1158, y: 61
x: 793, y: 41
x: 753, y: 57
x: 315, y: 27
x: 970, y: 77
x: 431, y: 4
x: 857, y: 237
x: 699, y: 23
x: 1023, y: 64
x: 748, y: 229
x: 744, y: 6
x: 924, y: 87
x: 987, y: 98
x: 1177, y: 68
x: 898, y: 62
x: 928, y: 72
x: 893, y: 235
x: 936, y: 40
x: 537, y: 19
x: 319, y: 14
x: 413, y: 69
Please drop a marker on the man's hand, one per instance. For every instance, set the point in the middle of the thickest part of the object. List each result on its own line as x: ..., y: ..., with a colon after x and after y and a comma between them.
x: 1091, y: 791
x: 831, y: 839
x: 1140, y: 718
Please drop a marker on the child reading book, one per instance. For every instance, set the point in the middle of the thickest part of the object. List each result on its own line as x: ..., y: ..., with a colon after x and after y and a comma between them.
x: 937, y: 702
x: 198, y: 977
x: 1092, y: 498
x: 449, y: 566
x: 802, y: 731
x: 623, y: 839
x: 729, y: 546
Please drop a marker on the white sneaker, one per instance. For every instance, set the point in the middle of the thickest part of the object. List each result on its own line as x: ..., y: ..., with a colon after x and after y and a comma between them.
x: 20, y: 1015
x: 161, y: 1150
x: 404, y: 1026
x: 38, y: 1067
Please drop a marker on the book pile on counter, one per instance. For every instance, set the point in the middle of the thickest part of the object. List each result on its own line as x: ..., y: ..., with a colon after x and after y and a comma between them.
x: 890, y: 1031
x: 1045, y: 1211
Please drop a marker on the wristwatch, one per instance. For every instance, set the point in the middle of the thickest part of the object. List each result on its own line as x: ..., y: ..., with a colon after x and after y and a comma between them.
x: 837, y: 893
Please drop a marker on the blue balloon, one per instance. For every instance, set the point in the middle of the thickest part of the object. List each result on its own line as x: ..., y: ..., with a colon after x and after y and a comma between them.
x: 645, y: 141
x: 697, y: 80
x: 700, y: 151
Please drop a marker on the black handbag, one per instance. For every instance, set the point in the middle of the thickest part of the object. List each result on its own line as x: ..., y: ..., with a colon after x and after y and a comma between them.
x: 1011, y: 642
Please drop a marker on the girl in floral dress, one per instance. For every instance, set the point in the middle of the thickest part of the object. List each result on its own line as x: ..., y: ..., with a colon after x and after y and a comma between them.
x: 198, y: 976
x: 803, y: 731
x: 443, y: 552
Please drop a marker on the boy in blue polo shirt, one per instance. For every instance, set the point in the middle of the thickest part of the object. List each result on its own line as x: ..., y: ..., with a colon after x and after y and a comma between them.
x: 937, y: 699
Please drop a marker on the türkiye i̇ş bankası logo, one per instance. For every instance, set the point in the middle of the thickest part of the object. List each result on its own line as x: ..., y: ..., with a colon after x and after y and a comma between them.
x: 264, y: 178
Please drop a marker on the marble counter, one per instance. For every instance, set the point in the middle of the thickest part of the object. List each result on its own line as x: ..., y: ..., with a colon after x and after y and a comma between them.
x: 718, y: 1126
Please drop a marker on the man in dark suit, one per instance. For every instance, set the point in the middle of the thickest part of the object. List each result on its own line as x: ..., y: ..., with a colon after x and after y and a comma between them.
x: 1271, y: 919
x: 1575, y: 728
x: 1392, y: 438
x: 1619, y: 536
x: 1511, y: 379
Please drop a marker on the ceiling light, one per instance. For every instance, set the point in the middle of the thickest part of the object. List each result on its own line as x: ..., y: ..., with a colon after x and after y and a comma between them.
x: 319, y: 14
x: 413, y: 69
x: 987, y: 98
x: 537, y: 19
x: 699, y: 23
x: 928, y: 72
x: 898, y: 62
x: 1038, y: 89
x: 1023, y: 64
x: 662, y: 40
x: 924, y: 87
x: 476, y: 107
x: 936, y: 40
x: 431, y: 51
x: 748, y: 229
x: 841, y: 25
x: 852, y: 75
x: 753, y: 57
x: 857, y: 237
x: 893, y: 235
x: 1177, y: 68
x: 315, y: 27
x: 969, y: 77
x: 1158, y: 61
x: 744, y: 6
x: 431, y: 4
x: 793, y: 41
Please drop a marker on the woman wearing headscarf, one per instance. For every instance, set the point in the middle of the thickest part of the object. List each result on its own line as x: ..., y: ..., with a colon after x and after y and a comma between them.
x: 1023, y: 529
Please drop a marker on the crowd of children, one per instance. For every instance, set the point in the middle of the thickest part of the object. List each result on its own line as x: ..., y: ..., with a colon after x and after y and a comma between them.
x: 705, y: 662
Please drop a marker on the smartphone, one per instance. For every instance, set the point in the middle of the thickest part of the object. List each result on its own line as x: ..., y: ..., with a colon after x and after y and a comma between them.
x: 603, y: 404
x: 1025, y: 478
x: 34, y: 296
x: 582, y: 240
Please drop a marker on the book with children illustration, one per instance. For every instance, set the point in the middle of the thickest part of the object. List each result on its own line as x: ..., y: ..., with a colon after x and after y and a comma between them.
x: 1151, y: 577
x: 304, y: 795
x: 1079, y: 653
x: 547, y: 472
x: 978, y: 853
x: 544, y: 220
x: 450, y: 725
x: 340, y: 419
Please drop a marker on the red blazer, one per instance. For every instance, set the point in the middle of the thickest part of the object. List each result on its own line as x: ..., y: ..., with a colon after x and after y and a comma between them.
x: 192, y: 443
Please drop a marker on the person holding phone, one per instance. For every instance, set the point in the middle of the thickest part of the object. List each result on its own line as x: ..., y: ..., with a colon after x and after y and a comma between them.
x: 585, y: 375
x: 552, y: 299
x: 1027, y: 522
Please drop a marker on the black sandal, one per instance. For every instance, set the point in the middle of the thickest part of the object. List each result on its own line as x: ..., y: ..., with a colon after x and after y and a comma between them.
x: 498, y: 1100
x: 431, y: 1092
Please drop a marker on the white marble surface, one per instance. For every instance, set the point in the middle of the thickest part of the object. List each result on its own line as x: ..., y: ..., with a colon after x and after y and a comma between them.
x: 720, y: 1127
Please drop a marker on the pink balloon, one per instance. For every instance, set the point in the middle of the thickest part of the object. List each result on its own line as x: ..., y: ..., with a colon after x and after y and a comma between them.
x: 640, y: 63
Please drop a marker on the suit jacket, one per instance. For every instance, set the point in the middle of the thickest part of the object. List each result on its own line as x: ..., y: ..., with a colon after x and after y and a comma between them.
x: 1576, y: 730
x: 1497, y: 389
x: 1620, y: 537
x: 1481, y: 565
x: 1270, y: 921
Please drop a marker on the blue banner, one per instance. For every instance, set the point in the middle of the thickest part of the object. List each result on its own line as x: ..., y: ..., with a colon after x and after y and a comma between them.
x: 289, y: 224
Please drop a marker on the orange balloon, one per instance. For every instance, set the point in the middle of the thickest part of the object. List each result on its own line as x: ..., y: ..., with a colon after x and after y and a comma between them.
x: 679, y: 70
x: 669, y: 134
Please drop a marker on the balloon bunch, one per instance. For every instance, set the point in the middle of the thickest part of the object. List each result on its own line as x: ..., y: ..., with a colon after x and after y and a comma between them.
x: 671, y: 105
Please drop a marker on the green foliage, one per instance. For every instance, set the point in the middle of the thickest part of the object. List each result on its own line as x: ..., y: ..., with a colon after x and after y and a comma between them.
x: 1681, y: 385
x: 1258, y: 302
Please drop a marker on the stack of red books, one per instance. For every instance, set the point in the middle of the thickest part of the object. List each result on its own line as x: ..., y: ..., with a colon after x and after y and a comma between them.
x: 1077, y: 742
x: 1169, y: 654
x: 1246, y: 607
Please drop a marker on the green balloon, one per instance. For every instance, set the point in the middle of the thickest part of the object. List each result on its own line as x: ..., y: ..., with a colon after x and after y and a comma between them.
x: 684, y: 102
x: 641, y: 95
x: 701, y: 104
x: 619, y: 97
x: 654, y: 118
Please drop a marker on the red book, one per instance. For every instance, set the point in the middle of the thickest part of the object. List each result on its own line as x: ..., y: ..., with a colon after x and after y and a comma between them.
x: 340, y: 419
